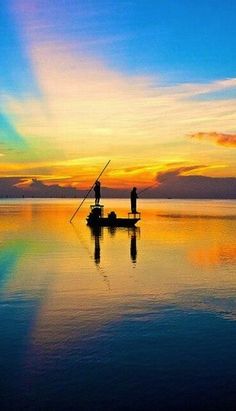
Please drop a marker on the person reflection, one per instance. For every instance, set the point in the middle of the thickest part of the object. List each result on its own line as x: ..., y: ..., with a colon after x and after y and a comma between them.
x: 96, y: 232
x: 133, y: 245
x: 133, y: 248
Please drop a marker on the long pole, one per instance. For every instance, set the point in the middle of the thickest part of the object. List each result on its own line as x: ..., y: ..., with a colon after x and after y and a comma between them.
x: 76, y: 211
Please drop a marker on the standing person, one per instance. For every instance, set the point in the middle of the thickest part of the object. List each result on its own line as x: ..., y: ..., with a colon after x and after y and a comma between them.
x: 97, y: 191
x: 133, y: 200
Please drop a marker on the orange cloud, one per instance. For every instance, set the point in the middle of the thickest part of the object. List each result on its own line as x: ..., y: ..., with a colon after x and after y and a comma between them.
x: 222, y: 139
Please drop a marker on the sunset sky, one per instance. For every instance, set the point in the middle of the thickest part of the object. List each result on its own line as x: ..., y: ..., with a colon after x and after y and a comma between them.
x: 150, y: 85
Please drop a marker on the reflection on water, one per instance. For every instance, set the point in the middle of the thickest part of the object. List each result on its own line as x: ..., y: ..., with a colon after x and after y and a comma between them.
x: 97, y: 235
x: 214, y: 255
x: 148, y: 313
x: 133, y: 244
x: 96, y: 232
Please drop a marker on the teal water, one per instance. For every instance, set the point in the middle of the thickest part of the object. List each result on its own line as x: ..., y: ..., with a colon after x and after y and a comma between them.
x: 118, y: 319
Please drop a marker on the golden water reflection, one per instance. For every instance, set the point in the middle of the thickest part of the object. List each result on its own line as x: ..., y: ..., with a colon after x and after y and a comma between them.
x: 82, y: 278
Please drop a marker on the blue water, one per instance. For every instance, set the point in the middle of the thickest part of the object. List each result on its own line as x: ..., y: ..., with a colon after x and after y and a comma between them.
x: 118, y: 319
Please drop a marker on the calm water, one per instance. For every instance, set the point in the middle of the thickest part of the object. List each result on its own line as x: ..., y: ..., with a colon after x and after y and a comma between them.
x: 118, y: 319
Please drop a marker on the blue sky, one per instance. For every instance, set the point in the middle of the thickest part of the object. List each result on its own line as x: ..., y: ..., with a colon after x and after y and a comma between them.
x: 183, y: 40
x: 192, y: 40
x: 15, y: 68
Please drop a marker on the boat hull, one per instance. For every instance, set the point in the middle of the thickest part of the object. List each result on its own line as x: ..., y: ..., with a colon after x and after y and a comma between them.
x: 107, y: 222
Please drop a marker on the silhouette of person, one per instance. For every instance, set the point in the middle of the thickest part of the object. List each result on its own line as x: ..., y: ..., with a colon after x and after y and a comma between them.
x: 97, y: 191
x: 133, y: 200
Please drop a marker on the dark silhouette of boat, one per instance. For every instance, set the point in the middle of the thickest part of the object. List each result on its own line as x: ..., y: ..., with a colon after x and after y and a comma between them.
x: 97, y: 219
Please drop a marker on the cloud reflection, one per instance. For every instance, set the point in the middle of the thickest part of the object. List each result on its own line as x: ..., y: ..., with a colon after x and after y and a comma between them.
x: 214, y: 256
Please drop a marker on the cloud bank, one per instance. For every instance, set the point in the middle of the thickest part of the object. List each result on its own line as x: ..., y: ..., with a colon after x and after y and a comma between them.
x: 173, y: 183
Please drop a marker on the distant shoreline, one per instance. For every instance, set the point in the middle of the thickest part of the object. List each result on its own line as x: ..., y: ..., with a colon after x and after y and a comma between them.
x: 117, y: 198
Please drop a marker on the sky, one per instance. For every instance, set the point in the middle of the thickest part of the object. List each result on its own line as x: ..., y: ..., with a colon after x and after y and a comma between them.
x: 149, y: 85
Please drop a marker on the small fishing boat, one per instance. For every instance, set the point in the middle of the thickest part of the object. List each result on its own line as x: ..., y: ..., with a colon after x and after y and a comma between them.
x: 97, y: 219
x: 96, y: 216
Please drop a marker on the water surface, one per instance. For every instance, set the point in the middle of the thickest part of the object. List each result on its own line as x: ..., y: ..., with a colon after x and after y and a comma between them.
x: 118, y: 319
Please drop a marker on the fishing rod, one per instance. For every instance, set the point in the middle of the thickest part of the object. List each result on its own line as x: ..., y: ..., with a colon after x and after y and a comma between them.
x: 76, y: 211
x: 147, y: 188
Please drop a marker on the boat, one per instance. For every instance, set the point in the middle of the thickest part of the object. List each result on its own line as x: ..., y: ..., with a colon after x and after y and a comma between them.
x: 96, y: 218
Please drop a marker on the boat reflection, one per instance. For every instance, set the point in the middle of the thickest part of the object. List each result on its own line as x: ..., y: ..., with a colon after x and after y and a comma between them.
x: 97, y: 235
